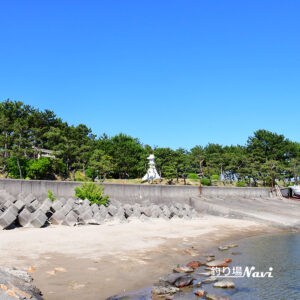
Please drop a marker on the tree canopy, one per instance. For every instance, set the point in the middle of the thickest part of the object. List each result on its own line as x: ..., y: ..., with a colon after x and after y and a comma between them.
x: 25, y: 132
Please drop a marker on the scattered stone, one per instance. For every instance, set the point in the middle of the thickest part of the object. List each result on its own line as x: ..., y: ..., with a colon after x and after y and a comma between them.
x: 236, y: 253
x: 224, y: 284
x: 195, y: 264
x: 31, y: 269
x: 210, y: 259
x: 164, y: 290
x: 223, y: 248
x: 184, y: 281
x: 232, y: 245
x: 208, y: 255
x: 18, y: 273
x: 183, y: 269
x: 52, y: 272
x: 210, y: 279
x: 75, y: 285
x: 192, y: 252
x: 11, y: 293
x: 217, y: 263
x: 60, y: 269
x: 18, y: 285
x: 176, y: 279
x: 200, y: 293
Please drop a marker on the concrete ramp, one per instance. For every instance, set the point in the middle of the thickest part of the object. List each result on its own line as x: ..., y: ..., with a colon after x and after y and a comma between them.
x: 276, y: 212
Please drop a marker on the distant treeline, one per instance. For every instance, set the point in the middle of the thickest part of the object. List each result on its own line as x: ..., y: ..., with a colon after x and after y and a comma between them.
x: 25, y: 131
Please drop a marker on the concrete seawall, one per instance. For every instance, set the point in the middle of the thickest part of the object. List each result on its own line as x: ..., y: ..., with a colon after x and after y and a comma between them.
x: 242, y: 203
x: 130, y: 193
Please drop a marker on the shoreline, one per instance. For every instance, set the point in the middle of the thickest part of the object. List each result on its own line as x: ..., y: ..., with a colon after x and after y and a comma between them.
x: 146, y: 290
x: 139, y: 253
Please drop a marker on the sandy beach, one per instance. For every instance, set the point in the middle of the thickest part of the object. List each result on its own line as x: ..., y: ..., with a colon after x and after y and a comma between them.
x: 95, y: 262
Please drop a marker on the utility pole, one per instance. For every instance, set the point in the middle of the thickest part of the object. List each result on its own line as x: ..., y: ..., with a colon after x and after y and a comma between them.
x: 221, y: 176
x: 295, y: 173
x: 271, y: 173
x: 200, y: 174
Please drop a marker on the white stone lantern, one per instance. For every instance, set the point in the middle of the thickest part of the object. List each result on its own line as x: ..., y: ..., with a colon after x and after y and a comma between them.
x: 151, y: 173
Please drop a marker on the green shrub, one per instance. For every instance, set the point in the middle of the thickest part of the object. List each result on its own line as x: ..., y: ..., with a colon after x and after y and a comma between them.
x: 92, y: 192
x: 205, y: 181
x: 90, y: 174
x: 215, y: 177
x: 13, y: 170
x: 51, y: 195
x: 240, y: 184
x: 79, y: 176
x: 40, y: 168
x: 193, y: 176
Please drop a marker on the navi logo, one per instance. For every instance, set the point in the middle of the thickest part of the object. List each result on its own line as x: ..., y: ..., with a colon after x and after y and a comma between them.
x: 239, y: 272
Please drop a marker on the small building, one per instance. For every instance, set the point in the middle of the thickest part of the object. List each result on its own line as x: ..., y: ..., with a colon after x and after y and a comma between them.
x: 44, y: 152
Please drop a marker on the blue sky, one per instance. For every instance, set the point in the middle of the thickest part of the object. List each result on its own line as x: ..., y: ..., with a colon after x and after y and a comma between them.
x: 172, y: 73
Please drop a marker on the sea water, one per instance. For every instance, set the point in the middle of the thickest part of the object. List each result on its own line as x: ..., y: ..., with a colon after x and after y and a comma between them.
x: 281, y: 253
x: 278, y: 253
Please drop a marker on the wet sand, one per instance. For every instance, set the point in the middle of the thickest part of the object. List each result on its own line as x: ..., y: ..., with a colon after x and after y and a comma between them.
x: 95, y: 262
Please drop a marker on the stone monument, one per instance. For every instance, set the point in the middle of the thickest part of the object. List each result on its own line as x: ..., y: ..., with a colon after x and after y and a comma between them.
x: 151, y: 173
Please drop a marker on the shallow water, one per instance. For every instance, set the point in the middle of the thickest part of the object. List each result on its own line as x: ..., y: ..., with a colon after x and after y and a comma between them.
x: 280, y: 252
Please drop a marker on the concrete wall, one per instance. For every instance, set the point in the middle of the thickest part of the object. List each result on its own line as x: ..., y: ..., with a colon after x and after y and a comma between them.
x: 130, y: 193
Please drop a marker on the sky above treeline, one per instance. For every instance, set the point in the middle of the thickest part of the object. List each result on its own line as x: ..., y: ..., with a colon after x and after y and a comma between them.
x: 172, y: 73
